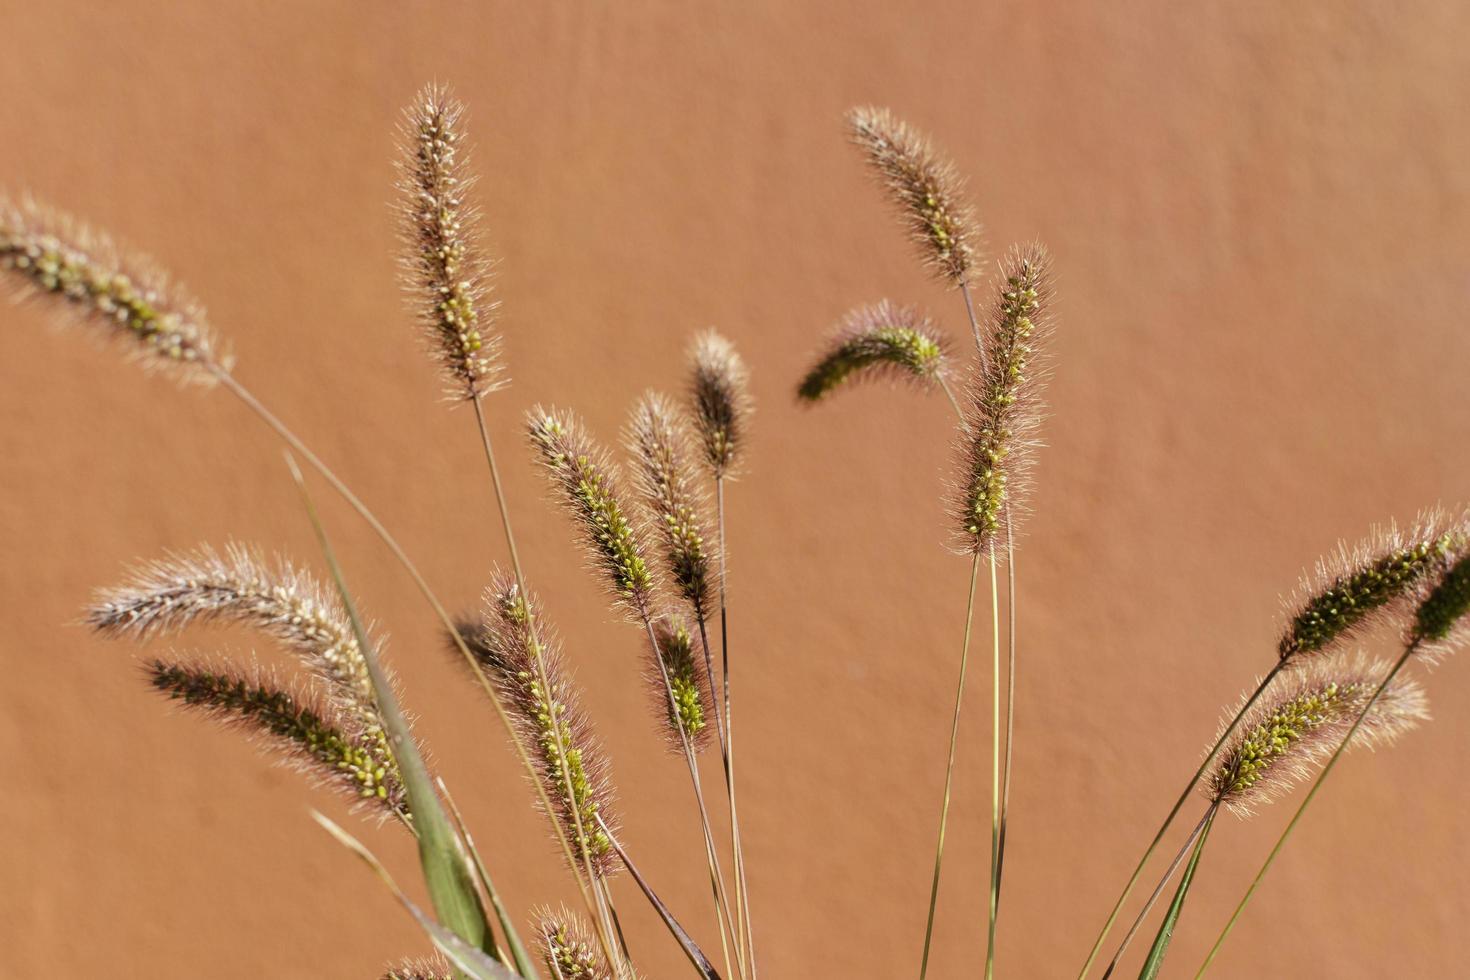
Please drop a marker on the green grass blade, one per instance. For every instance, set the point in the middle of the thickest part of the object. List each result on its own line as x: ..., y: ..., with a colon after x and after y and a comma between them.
x: 441, y: 854
x: 471, y: 962
x: 524, y: 964
x: 1160, y: 948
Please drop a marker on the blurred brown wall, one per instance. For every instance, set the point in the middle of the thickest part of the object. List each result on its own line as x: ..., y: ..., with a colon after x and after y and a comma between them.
x: 1259, y: 217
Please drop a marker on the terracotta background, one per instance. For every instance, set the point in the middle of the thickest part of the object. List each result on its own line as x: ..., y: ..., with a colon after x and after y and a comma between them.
x: 1259, y: 217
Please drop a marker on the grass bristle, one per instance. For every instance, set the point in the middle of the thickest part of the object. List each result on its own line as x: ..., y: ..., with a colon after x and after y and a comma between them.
x: 880, y: 341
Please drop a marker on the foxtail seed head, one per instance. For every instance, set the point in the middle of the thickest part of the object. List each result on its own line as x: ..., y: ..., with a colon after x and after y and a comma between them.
x: 1004, y: 407
x: 586, y: 482
x: 308, y: 733
x: 567, y: 949
x: 1301, y: 722
x: 671, y: 497
x: 435, y: 969
x: 719, y: 393
x: 546, y: 712
x: 693, y: 705
x: 1442, y: 619
x: 875, y: 341
x: 1356, y: 587
x: 925, y: 188
x: 444, y: 274
x: 47, y: 253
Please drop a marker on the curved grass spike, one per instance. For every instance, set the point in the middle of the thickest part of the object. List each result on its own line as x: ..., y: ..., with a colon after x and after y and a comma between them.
x: 878, y: 341
x: 159, y: 324
x: 925, y: 189
x: 444, y: 275
x: 446, y: 866
x: 307, y: 732
x: 549, y: 717
x: 1354, y: 588
x: 279, y: 599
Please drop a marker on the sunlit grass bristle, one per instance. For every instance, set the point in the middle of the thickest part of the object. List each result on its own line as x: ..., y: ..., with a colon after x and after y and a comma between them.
x: 305, y: 731
x: 720, y: 402
x: 925, y: 188
x: 566, y: 948
x: 51, y: 255
x: 444, y: 273
x: 692, y: 713
x: 1301, y: 721
x: 548, y: 718
x: 419, y: 969
x: 1003, y: 405
x: 1357, y: 587
x: 587, y: 485
x: 672, y: 498
x: 878, y: 341
x: 1442, y: 616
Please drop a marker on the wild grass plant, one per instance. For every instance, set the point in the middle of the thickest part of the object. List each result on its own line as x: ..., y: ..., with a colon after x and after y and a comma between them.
x: 654, y: 536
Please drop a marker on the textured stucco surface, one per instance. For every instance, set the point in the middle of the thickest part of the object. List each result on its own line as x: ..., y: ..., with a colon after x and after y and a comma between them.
x: 1259, y: 216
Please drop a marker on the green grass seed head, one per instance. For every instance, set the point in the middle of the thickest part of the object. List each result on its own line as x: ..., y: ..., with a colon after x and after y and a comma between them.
x: 874, y: 342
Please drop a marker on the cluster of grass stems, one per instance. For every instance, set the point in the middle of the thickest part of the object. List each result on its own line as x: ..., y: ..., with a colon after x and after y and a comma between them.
x: 656, y: 543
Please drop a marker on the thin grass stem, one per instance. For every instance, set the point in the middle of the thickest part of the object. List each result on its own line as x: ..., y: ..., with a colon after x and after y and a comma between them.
x: 1005, y: 789
x: 244, y: 395
x: 994, y: 772
x: 954, y: 731
x: 1250, y: 892
x: 1159, y: 888
x: 1178, y: 805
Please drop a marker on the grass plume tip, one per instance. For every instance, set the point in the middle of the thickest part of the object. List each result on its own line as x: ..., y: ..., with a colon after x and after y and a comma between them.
x: 671, y: 497
x: 1300, y: 723
x: 1003, y: 404
x: 692, y: 711
x: 547, y: 716
x: 309, y: 733
x: 719, y: 393
x: 1442, y: 617
x: 49, y: 254
x: 1354, y: 588
x: 925, y: 187
x: 444, y: 273
x: 566, y: 948
x: 586, y: 484
x: 878, y: 341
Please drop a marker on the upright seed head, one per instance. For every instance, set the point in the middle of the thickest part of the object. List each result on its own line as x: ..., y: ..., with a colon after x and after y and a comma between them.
x: 444, y: 274
x: 719, y: 392
x: 671, y: 498
x: 47, y: 253
x: 880, y: 340
x: 1357, y: 587
x: 997, y: 441
x: 569, y: 953
x: 693, y: 708
x: 586, y: 482
x: 546, y: 712
x: 284, y: 602
x: 306, y: 732
x: 925, y: 188
x: 1301, y: 722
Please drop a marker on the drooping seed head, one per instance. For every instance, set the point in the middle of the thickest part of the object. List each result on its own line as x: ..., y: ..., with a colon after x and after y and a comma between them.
x: 671, y: 497
x: 282, y: 601
x: 1300, y: 723
x: 692, y: 710
x: 422, y: 969
x: 444, y: 273
x: 546, y: 711
x: 878, y: 341
x: 586, y: 483
x: 1357, y: 587
x: 1442, y: 617
x: 925, y: 188
x: 567, y: 949
x: 49, y: 254
x: 1003, y: 410
x: 302, y: 730
x: 719, y: 395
